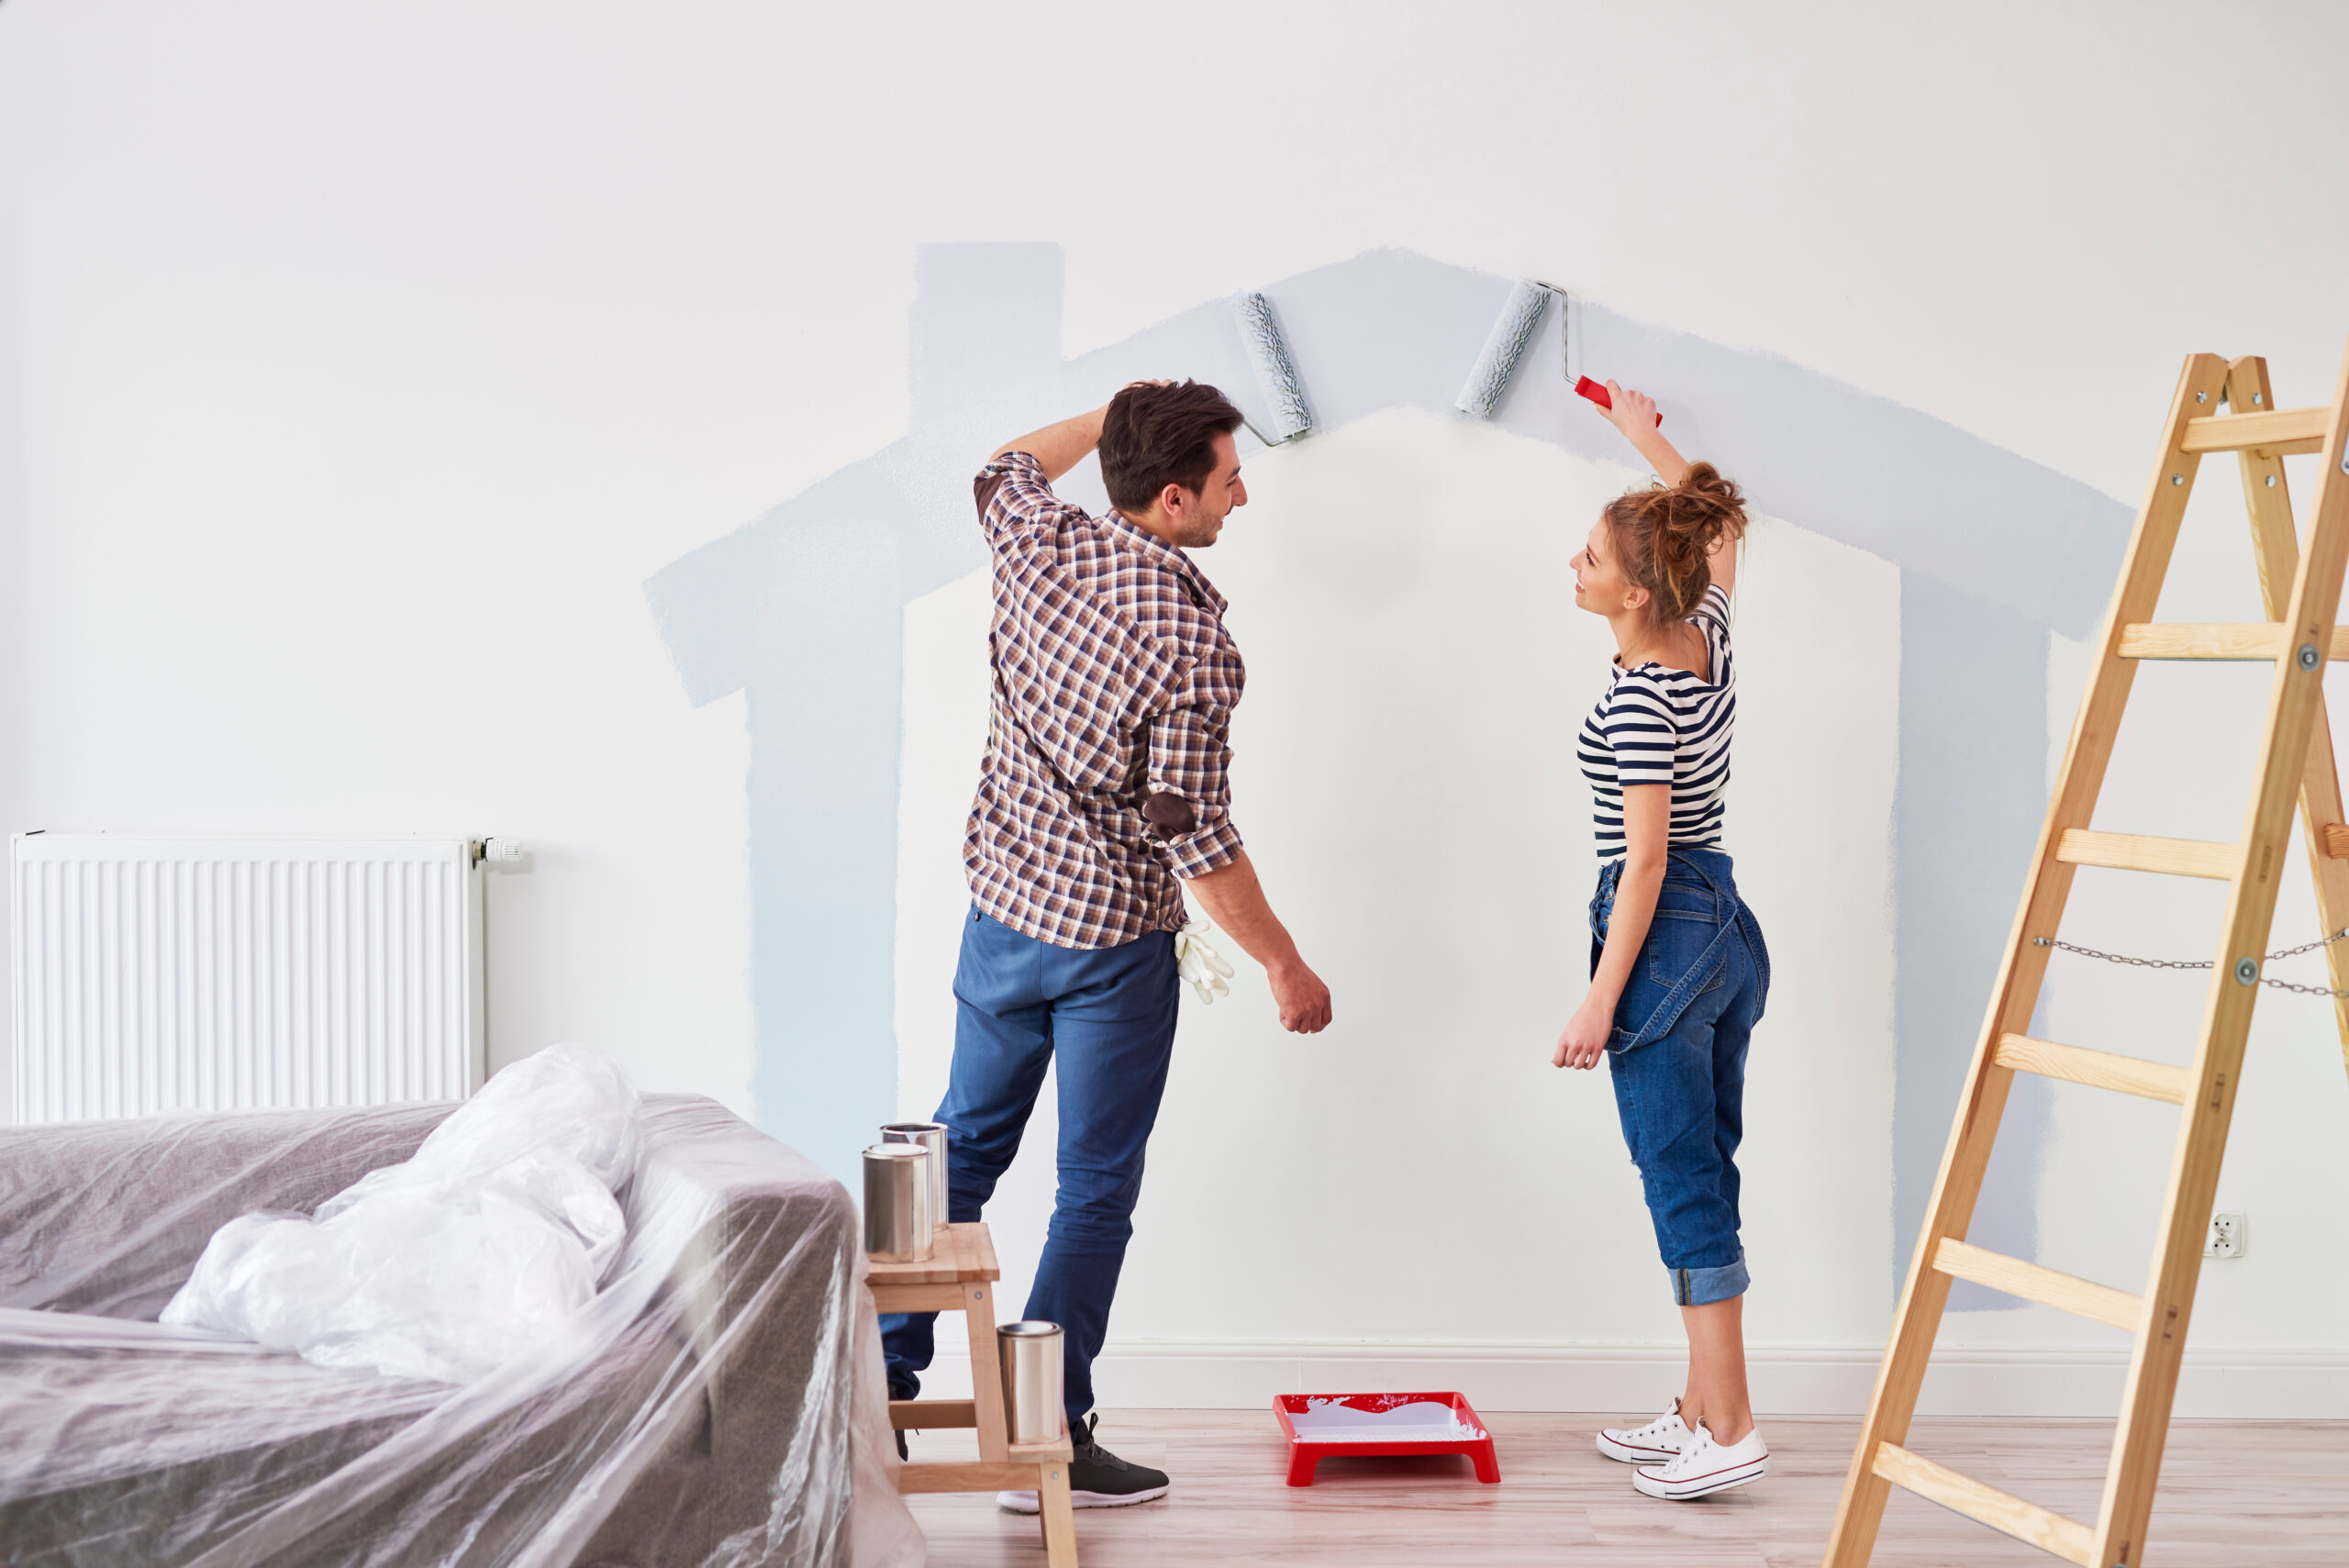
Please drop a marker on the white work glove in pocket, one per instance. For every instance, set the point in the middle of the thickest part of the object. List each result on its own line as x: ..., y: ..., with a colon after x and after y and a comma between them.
x: 1202, y: 966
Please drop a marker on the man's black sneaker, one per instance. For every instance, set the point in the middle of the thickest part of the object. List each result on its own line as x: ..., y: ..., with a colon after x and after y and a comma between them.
x: 902, y: 1454
x: 1096, y: 1478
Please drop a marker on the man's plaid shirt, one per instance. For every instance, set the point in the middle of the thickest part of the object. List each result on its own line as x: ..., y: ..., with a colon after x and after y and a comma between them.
x: 1114, y: 682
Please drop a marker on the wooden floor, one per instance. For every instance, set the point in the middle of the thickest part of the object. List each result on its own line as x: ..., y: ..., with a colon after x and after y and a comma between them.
x: 2234, y: 1493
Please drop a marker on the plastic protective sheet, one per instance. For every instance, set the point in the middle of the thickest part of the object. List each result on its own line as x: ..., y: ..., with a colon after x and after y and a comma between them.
x: 483, y: 1245
x: 718, y: 1401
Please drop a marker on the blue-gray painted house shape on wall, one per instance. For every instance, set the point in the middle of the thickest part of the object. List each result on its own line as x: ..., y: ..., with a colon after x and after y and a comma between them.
x: 803, y: 610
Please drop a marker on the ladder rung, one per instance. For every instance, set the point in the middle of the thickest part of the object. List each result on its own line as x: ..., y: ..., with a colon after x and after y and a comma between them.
x: 2278, y: 431
x: 2136, y: 851
x: 2336, y: 841
x: 2098, y: 1069
x: 2066, y: 1292
x: 2251, y: 640
x: 2067, y: 1538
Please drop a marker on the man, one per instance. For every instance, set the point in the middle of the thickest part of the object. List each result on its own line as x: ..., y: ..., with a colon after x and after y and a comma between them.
x: 1103, y: 793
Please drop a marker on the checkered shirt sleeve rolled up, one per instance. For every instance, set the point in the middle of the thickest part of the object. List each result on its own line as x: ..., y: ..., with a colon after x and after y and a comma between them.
x: 1106, y: 776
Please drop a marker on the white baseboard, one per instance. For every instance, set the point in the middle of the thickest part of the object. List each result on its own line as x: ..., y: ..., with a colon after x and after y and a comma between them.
x: 1989, y: 1380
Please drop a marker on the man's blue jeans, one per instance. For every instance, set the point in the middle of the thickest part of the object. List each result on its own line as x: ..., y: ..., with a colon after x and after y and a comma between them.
x: 1107, y: 1014
x: 1677, y: 1058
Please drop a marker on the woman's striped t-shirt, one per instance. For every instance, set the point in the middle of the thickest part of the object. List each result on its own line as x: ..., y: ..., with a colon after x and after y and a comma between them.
x: 1667, y: 727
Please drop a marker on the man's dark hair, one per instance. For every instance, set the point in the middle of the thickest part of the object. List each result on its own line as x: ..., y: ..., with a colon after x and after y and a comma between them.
x: 1157, y: 436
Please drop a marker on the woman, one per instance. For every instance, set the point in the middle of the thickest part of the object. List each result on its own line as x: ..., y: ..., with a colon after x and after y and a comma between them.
x: 1678, y: 970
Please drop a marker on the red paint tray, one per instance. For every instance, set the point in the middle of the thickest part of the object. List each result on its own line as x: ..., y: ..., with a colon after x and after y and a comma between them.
x: 1331, y: 1426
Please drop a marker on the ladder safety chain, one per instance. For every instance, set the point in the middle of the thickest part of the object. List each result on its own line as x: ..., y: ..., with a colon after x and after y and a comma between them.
x: 2245, y: 970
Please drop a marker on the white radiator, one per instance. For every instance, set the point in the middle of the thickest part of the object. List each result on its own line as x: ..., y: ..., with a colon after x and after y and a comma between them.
x: 207, y: 975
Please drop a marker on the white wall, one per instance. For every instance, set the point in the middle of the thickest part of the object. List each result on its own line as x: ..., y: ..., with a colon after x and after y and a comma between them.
x: 361, y: 365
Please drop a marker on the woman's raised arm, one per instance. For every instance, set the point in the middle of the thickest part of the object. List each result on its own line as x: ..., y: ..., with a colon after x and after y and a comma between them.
x: 1634, y: 414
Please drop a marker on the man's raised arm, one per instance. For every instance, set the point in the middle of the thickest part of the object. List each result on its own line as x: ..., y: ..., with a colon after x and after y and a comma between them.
x: 1059, y: 448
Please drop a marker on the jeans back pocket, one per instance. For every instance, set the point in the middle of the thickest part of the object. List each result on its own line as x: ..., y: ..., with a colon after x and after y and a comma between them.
x: 1678, y: 941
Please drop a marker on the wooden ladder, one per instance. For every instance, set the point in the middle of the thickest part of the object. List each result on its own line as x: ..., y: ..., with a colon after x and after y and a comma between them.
x: 2296, y: 765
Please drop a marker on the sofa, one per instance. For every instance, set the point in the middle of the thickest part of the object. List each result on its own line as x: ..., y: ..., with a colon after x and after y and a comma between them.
x: 719, y: 1405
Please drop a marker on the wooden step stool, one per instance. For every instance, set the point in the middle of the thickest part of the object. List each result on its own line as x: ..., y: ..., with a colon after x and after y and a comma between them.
x: 960, y: 1277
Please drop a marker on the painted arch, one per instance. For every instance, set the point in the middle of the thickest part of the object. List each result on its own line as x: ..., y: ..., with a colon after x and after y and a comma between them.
x: 801, y: 609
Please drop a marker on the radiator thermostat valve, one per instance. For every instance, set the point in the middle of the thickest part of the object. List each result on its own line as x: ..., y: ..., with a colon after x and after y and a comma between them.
x: 506, y: 850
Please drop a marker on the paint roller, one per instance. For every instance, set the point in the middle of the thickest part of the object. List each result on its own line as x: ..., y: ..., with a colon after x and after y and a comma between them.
x: 1260, y: 334
x: 1506, y: 345
x: 1521, y: 314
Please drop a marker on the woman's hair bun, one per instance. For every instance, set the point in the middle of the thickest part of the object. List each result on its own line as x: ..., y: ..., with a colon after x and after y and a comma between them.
x: 1665, y: 534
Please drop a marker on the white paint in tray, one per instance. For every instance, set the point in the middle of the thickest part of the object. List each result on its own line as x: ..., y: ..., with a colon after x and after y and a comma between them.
x: 1418, y: 1421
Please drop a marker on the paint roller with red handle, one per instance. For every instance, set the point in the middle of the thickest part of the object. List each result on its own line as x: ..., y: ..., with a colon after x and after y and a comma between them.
x: 1596, y: 393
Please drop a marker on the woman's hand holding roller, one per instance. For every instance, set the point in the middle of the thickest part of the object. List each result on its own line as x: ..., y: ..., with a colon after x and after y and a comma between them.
x: 1633, y: 412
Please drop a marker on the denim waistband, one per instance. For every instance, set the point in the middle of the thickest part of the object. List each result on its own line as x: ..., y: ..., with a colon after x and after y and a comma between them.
x: 1713, y: 867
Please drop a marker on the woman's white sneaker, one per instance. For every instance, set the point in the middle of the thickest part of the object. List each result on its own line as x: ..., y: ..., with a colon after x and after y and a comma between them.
x: 1705, y: 1466
x: 1659, y: 1441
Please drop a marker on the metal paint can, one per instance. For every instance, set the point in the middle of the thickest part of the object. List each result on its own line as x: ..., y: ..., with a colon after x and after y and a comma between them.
x: 930, y: 1135
x: 898, y: 1226
x: 1033, y: 1370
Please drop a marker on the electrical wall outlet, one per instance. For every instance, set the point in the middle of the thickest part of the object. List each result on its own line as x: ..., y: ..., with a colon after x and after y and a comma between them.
x: 2228, y: 1237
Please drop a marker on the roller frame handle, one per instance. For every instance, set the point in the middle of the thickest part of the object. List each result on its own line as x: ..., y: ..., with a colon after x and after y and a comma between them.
x: 1596, y: 392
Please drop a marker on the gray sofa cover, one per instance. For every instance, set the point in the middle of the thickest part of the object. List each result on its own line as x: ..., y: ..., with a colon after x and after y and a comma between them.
x: 711, y: 1410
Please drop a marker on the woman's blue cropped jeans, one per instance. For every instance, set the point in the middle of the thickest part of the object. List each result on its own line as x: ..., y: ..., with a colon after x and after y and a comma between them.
x: 1677, y: 1058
